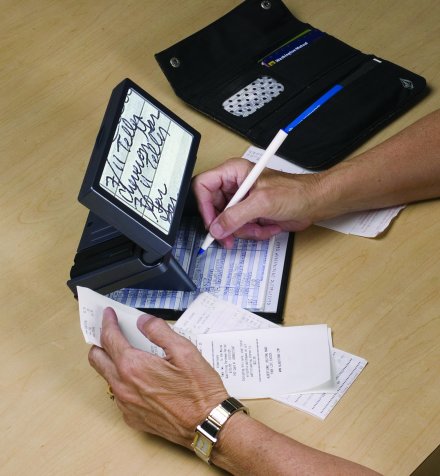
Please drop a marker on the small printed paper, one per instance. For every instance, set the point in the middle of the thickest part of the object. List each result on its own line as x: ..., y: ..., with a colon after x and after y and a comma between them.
x: 209, y: 314
x: 348, y: 367
x: 269, y: 362
x: 92, y: 305
x: 368, y: 224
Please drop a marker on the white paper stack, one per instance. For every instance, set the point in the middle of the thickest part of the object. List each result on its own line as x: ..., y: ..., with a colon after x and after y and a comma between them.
x: 256, y: 358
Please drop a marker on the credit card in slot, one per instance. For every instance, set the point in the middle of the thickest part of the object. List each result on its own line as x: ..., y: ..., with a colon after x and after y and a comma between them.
x: 294, y: 45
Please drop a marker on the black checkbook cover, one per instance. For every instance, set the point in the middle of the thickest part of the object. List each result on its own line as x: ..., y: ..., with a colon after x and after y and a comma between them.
x: 258, y: 67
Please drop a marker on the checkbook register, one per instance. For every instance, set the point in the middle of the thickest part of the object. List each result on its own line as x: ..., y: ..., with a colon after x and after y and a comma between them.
x: 140, y: 241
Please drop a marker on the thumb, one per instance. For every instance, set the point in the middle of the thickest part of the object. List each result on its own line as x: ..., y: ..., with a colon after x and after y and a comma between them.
x: 233, y: 218
x: 158, y: 332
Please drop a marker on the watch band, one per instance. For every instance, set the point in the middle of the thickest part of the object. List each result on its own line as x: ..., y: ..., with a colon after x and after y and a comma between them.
x: 207, y: 432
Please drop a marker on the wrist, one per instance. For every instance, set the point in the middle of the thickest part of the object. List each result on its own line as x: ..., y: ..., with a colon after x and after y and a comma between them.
x: 319, y: 194
x: 327, y: 196
x: 234, y: 430
x: 333, y: 192
x: 208, y: 432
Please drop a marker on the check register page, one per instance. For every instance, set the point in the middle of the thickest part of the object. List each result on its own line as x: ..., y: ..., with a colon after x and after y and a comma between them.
x: 248, y: 275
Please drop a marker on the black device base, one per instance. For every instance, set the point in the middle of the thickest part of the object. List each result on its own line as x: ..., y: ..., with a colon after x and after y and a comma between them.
x: 107, y: 261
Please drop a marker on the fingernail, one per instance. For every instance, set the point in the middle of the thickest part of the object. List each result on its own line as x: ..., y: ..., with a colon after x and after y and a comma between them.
x: 217, y: 231
x: 142, y: 319
x: 109, y: 311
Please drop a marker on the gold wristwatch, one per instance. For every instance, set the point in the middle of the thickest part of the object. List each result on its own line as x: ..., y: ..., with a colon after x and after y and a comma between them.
x: 207, y: 432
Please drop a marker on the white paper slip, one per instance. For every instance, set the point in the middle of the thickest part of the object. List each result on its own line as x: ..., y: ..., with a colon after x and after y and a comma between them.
x: 348, y: 368
x: 210, y: 314
x: 368, y: 224
x: 269, y: 362
x: 91, y: 306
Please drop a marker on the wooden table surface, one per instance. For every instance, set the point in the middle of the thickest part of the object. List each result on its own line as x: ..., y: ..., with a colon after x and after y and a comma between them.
x: 59, y: 63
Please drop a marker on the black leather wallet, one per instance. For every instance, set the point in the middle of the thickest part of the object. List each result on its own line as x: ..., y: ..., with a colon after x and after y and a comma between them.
x: 258, y: 67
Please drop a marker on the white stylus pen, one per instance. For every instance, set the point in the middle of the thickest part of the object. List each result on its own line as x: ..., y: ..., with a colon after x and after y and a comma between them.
x: 283, y: 133
x: 281, y: 136
x: 250, y: 179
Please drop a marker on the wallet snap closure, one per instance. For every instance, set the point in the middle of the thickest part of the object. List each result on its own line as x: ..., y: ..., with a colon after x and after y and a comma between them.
x: 174, y: 62
x: 265, y: 4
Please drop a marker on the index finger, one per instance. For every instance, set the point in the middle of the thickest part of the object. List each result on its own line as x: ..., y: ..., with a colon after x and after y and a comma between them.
x: 210, y: 198
x: 214, y: 188
x: 112, y: 339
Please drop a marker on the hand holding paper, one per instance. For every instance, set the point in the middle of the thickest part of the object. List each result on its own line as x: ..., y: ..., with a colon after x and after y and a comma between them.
x: 266, y: 362
x: 168, y: 396
x: 91, y: 308
x: 263, y: 356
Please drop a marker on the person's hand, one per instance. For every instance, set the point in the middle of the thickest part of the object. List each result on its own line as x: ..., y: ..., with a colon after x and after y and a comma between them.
x: 167, y: 396
x: 277, y: 202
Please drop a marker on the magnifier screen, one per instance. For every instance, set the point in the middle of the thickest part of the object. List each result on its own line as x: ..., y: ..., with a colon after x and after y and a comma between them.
x: 146, y: 161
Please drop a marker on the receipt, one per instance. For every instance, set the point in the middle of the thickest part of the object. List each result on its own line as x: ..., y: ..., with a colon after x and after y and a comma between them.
x: 92, y: 305
x: 208, y: 314
x: 348, y: 367
x: 269, y: 362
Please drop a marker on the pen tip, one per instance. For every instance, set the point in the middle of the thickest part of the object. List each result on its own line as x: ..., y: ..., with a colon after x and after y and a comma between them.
x: 201, y: 251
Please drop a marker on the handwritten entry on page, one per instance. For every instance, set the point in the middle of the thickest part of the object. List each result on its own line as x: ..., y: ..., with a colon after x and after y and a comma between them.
x: 249, y: 274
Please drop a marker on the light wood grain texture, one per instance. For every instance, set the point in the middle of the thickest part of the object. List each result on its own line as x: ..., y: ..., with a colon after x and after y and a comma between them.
x: 60, y: 61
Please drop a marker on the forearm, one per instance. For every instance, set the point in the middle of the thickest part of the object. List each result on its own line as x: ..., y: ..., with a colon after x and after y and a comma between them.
x: 403, y: 169
x: 247, y: 447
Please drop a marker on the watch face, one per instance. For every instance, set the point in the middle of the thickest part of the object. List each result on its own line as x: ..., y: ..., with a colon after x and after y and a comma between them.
x: 202, y: 446
x: 146, y: 161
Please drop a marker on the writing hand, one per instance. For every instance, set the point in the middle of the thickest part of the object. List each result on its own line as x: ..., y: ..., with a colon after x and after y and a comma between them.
x: 167, y: 396
x: 277, y: 202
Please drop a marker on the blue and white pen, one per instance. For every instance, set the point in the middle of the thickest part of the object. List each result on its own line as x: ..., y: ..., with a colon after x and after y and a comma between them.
x: 281, y: 137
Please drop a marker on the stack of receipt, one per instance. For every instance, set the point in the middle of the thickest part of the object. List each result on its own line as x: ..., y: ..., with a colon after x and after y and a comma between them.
x: 255, y: 358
